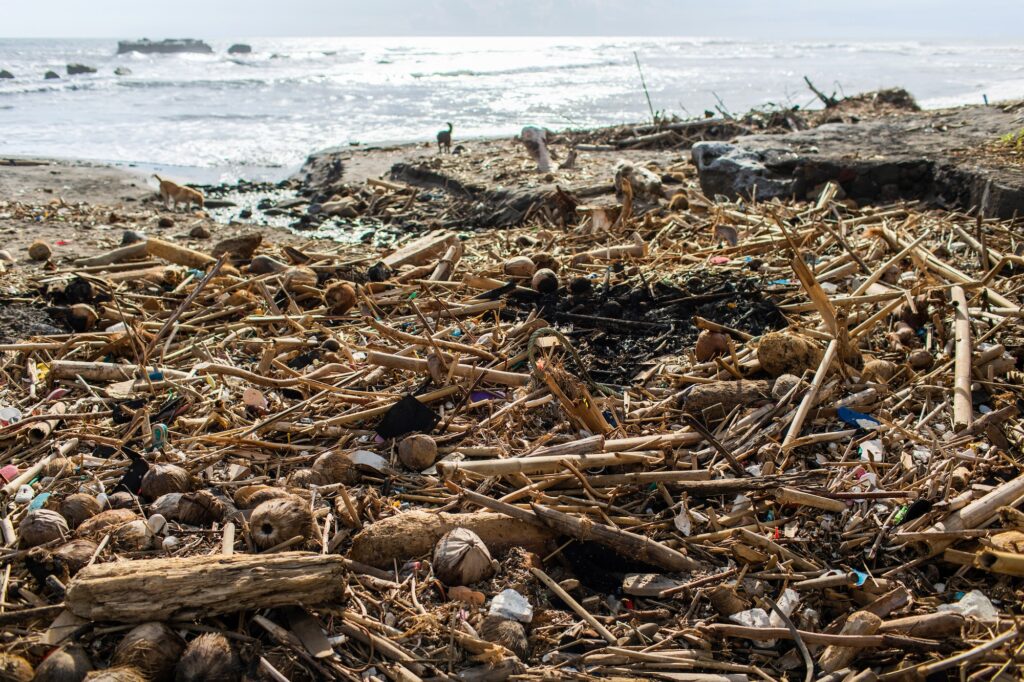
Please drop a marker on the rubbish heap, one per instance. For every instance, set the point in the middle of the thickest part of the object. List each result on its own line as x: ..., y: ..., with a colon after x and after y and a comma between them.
x: 677, y: 439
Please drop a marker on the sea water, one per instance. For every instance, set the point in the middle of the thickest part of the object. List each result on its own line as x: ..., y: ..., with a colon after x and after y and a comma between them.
x: 218, y: 117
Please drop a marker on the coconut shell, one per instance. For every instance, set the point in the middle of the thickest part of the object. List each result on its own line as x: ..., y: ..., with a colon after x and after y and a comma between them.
x: 39, y: 250
x: 904, y: 333
x: 209, y: 658
x: 781, y: 353
x: 276, y: 521
x: 298, y: 277
x: 462, y: 558
x: 40, y: 526
x: 161, y: 479
x: 336, y: 467
x: 520, y: 266
x: 82, y: 317
x: 122, y: 499
x: 340, y: 298
x: 251, y: 496
x: 710, y: 344
x: 545, y: 261
x: 303, y: 478
x: 105, y: 522
x: 417, y: 452
x: 879, y: 371
x: 200, y: 508
x: 544, y: 281
x: 151, y: 648
x: 58, y: 466
x: 42, y: 563
x: 508, y: 633
x: 920, y: 359
x: 14, y: 668
x: 78, y: 507
x: 121, y: 674
x: 68, y: 664
x: 76, y: 554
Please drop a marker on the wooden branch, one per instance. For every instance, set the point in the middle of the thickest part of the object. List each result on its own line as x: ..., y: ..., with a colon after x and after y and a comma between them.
x: 421, y: 250
x: 974, y: 515
x: 493, y: 376
x: 574, y: 605
x: 963, y: 411
x: 181, y: 255
x: 202, y: 586
x: 546, y: 464
x: 811, y: 397
x: 414, y: 534
x: 625, y: 543
x: 843, y: 640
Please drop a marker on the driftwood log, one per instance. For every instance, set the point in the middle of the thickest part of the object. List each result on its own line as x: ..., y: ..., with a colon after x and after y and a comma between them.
x: 415, y: 533
x: 203, y: 586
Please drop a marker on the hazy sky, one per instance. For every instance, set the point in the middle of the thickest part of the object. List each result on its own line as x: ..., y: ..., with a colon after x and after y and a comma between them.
x: 997, y: 20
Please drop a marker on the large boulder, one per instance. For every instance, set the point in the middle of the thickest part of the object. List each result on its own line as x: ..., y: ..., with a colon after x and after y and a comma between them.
x: 6, y: 74
x: 929, y: 155
x: 122, y: 71
x: 78, y: 69
x: 240, y: 48
x: 168, y: 46
x: 51, y: 75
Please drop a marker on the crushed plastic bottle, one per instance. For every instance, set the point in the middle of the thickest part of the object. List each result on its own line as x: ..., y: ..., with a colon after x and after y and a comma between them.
x: 974, y: 605
x: 753, y: 618
x: 788, y: 602
x: 511, y: 605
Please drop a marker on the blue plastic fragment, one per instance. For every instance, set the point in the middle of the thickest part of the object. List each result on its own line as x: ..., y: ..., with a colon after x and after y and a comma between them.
x: 38, y: 501
x: 779, y: 281
x: 861, y: 577
x: 857, y: 419
x: 156, y: 376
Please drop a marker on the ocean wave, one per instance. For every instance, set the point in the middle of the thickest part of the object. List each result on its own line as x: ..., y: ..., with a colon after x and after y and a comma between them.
x: 220, y: 117
x: 544, y: 68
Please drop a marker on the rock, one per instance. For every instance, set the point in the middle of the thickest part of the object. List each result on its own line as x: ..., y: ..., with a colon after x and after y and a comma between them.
x: 199, y: 232
x: 165, y: 222
x: 924, y: 155
x: 122, y: 71
x: 6, y: 74
x: 78, y: 69
x: 132, y: 237
x: 240, y: 48
x: 51, y: 75
x: 732, y: 171
x: 168, y: 46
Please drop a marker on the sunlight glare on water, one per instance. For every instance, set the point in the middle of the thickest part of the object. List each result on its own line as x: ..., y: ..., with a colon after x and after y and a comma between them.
x: 293, y: 96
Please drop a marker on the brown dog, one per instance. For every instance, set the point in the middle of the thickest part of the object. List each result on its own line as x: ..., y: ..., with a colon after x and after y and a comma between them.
x: 173, y: 192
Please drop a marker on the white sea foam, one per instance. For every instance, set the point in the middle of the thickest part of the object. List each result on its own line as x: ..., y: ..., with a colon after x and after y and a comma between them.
x: 292, y: 96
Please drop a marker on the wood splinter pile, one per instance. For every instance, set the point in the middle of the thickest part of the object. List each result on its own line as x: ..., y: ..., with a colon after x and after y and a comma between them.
x: 292, y: 464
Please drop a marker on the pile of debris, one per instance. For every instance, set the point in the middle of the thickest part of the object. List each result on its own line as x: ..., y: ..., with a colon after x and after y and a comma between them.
x: 685, y: 440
